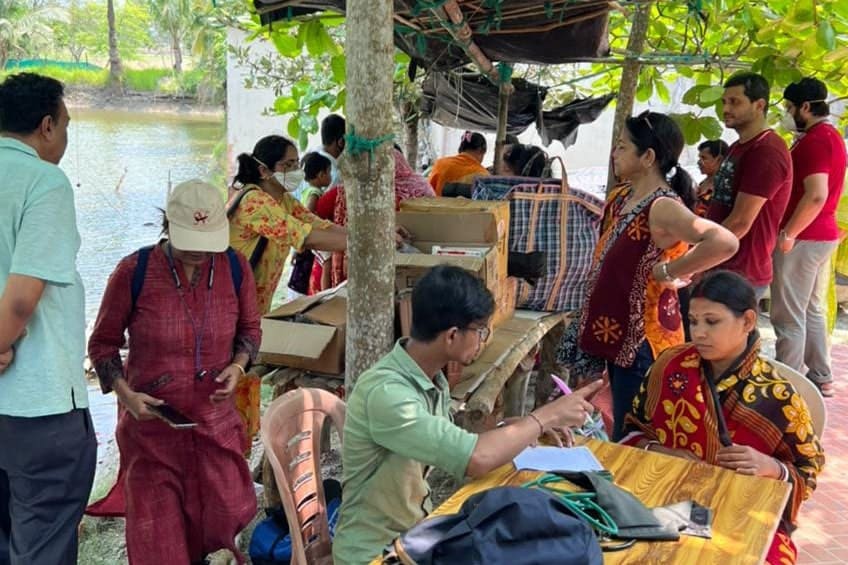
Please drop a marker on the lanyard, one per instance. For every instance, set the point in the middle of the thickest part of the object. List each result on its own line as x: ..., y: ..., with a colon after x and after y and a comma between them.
x: 198, y: 332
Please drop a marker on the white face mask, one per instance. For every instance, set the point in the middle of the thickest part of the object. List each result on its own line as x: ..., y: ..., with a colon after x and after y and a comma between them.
x: 788, y: 122
x: 290, y: 180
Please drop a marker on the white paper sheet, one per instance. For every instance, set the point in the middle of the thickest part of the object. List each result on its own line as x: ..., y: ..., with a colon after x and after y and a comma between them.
x: 558, y: 459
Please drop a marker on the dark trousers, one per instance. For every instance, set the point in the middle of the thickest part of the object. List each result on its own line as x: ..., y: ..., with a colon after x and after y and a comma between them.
x: 625, y: 383
x: 46, y: 470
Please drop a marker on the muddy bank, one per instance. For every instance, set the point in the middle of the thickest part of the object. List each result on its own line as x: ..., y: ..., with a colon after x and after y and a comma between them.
x: 103, y: 99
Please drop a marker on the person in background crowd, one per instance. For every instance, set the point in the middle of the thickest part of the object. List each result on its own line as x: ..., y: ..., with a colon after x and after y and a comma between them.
x: 509, y: 140
x: 754, y: 182
x: 398, y: 424
x: 48, y: 450
x: 631, y: 311
x: 317, y: 171
x: 193, y: 331
x: 461, y: 168
x: 710, y: 156
x: 524, y: 161
x: 766, y: 433
x: 808, y: 235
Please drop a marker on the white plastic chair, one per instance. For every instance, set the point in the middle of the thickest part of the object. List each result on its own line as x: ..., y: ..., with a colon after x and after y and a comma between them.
x: 808, y: 391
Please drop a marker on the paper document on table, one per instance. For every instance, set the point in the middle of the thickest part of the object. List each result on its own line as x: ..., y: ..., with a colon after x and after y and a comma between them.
x: 558, y: 459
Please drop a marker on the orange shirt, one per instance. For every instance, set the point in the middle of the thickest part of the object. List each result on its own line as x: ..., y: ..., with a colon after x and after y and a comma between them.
x: 458, y: 168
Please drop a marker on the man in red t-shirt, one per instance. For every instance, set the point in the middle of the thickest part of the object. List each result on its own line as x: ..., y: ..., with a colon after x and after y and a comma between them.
x: 752, y: 186
x: 808, y: 235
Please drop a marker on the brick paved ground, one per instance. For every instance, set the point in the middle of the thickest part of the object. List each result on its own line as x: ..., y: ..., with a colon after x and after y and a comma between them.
x: 822, y: 536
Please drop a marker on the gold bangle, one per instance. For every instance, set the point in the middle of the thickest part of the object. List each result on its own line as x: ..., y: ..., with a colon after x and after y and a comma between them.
x: 538, y: 421
x: 240, y: 368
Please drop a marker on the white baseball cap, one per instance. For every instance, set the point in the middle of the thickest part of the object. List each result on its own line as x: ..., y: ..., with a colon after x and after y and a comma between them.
x: 197, y: 219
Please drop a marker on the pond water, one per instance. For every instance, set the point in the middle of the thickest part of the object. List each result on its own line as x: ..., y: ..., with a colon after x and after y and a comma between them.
x: 119, y: 164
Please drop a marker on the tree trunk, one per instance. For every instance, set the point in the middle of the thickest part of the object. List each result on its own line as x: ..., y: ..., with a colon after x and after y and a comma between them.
x: 409, y: 115
x: 178, y: 54
x: 629, y: 76
x: 116, y: 71
x: 369, y: 185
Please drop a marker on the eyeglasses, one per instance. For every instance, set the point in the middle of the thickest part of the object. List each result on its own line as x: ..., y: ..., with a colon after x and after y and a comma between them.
x: 483, y: 332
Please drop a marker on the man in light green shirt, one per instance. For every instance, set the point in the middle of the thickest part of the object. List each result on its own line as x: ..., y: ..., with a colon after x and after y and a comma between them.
x: 398, y: 425
x: 48, y: 449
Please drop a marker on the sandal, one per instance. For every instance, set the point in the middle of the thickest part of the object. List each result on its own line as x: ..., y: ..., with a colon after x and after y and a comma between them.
x: 826, y: 389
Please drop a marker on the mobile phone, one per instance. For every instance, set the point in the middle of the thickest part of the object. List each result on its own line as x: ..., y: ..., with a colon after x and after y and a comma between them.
x: 172, y: 416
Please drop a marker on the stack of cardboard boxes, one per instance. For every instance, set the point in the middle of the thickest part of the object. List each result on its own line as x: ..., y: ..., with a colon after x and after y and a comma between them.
x: 309, y: 333
x: 456, y: 222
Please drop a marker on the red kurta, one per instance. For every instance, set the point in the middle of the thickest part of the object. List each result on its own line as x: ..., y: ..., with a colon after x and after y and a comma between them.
x: 188, y: 492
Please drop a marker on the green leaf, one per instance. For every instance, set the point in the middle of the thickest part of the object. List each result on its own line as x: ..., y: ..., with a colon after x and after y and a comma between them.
x: 645, y: 90
x: 338, y: 65
x: 286, y: 44
x: 662, y: 91
x: 708, y: 96
x: 308, y: 123
x: 710, y: 127
x: 293, y: 127
x: 303, y: 139
x: 285, y: 105
x: 693, y: 95
x: 341, y: 100
x: 826, y: 36
x: 313, y: 39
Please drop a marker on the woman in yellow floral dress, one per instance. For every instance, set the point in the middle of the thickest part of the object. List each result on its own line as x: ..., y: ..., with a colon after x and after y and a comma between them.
x: 763, y: 426
x: 267, y: 222
x: 267, y: 210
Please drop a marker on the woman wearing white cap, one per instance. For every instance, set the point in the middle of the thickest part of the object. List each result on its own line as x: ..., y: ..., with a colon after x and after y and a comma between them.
x: 193, y: 328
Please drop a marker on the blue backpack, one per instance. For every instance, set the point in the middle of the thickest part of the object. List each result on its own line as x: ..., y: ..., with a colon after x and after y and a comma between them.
x: 271, y: 544
x: 141, y: 270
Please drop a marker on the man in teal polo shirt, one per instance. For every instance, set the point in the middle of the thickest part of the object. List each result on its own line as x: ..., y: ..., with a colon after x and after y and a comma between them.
x: 398, y: 425
x: 47, y: 445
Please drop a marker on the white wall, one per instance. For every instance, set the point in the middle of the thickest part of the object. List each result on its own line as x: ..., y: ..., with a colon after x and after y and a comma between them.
x: 246, y: 123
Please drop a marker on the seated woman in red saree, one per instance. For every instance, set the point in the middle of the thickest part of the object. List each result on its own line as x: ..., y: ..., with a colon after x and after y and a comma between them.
x: 192, y: 333
x: 763, y: 427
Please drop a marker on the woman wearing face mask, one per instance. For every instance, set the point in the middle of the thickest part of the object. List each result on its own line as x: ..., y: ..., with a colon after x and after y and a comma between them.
x: 266, y: 210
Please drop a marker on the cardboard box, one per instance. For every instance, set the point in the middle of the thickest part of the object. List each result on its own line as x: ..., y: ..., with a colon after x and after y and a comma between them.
x: 307, y: 333
x: 459, y: 221
x: 504, y: 306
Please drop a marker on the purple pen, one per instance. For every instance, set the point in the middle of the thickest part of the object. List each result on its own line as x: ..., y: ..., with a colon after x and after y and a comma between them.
x: 561, y: 384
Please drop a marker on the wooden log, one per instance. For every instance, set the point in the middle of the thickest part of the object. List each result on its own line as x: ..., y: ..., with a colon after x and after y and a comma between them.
x: 515, y: 390
x: 481, y: 402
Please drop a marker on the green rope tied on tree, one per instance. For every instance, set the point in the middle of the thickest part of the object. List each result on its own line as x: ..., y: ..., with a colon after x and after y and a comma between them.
x: 504, y: 73
x: 356, y: 145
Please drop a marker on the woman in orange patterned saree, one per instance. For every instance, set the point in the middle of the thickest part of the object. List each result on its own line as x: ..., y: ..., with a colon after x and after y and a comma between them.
x: 631, y: 312
x: 763, y: 427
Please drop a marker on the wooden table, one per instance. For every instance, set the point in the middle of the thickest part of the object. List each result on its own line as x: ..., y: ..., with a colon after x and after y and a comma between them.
x: 746, y: 509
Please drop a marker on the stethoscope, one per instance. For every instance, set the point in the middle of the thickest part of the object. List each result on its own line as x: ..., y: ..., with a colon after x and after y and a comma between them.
x: 198, y: 333
x: 170, y: 255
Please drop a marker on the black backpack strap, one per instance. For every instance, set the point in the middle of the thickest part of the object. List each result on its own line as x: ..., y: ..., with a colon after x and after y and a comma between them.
x: 141, y: 270
x: 235, y: 269
x: 138, y: 273
x: 256, y: 256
